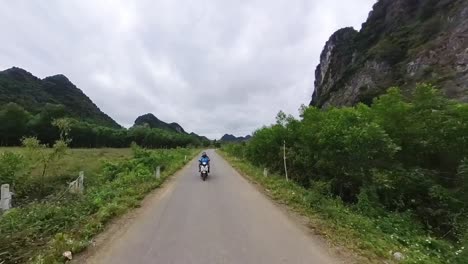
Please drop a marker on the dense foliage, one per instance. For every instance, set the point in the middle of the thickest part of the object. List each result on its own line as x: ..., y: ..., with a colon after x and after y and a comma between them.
x: 399, y: 154
x: 375, y: 238
x: 17, y: 123
x: 40, y: 231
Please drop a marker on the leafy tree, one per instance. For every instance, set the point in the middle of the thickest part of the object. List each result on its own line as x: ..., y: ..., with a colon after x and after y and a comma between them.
x: 44, y: 157
x: 13, y: 120
x: 11, y: 166
x: 40, y: 126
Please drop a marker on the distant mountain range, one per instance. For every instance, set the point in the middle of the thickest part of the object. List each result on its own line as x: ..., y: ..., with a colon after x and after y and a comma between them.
x: 153, y: 122
x: 232, y: 138
x: 32, y: 93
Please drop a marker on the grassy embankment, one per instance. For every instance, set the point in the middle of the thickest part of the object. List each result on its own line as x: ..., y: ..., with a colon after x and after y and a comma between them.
x: 116, y: 180
x: 375, y: 239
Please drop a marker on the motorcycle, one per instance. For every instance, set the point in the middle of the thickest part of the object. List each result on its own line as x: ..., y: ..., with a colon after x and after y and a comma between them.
x: 204, y: 170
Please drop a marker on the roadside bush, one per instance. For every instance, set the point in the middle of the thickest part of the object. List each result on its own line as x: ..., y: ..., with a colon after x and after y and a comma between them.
x: 400, y: 154
x: 11, y: 165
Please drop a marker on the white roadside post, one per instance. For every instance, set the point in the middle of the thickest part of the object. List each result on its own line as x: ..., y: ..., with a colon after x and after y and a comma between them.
x: 284, y: 158
x: 265, y: 172
x: 77, y: 186
x: 5, y: 202
x: 81, y: 182
x: 157, y: 173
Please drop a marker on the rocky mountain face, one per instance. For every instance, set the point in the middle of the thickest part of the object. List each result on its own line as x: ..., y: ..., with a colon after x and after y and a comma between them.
x: 153, y: 122
x: 232, y: 138
x: 403, y: 42
x: 23, y: 88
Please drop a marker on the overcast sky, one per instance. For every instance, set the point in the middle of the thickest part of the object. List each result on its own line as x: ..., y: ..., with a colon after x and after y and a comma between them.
x: 212, y: 66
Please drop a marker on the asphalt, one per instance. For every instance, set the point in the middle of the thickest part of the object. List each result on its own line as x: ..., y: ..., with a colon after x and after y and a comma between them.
x: 222, y: 220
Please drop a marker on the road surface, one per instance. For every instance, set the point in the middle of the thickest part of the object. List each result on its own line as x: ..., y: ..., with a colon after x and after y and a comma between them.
x: 222, y: 220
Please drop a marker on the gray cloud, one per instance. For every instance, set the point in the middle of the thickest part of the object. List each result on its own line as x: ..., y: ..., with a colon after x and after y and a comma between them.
x: 214, y: 67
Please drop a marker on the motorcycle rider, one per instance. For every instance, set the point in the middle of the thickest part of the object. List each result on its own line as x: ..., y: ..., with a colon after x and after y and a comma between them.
x: 204, y: 158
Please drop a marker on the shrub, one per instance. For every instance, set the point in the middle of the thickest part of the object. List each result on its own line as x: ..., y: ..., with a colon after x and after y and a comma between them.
x: 400, y: 154
x: 388, y: 50
x: 10, y: 166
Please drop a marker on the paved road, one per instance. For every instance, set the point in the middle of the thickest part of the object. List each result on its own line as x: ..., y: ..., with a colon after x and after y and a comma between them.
x: 222, y: 220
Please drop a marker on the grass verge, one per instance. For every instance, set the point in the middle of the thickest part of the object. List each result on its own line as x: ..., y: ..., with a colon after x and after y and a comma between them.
x: 40, y: 232
x: 375, y: 239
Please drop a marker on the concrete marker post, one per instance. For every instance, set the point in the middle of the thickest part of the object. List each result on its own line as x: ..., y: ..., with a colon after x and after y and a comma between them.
x: 284, y: 157
x: 157, y: 173
x: 81, y: 182
x: 77, y: 186
x: 5, y: 201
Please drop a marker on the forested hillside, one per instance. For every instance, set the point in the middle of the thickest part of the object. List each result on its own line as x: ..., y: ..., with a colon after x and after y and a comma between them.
x: 232, y: 138
x: 29, y: 105
x: 18, y: 123
x: 31, y: 93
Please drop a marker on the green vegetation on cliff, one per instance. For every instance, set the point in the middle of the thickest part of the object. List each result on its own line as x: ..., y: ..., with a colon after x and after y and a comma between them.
x: 401, y: 43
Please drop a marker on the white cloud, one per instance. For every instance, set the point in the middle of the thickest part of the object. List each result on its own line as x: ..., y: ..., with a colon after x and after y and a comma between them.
x: 214, y: 67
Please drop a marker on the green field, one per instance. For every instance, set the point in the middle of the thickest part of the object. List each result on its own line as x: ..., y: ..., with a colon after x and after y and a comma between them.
x: 88, y: 160
x: 49, y: 220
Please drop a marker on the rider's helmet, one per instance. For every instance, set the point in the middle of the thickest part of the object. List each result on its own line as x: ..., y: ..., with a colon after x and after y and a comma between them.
x: 204, y: 154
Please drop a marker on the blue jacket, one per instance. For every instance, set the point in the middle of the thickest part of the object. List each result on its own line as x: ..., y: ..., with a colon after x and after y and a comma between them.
x: 204, y: 159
